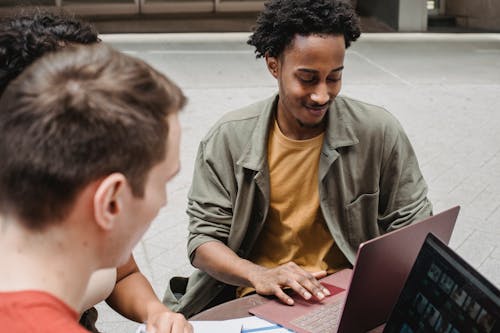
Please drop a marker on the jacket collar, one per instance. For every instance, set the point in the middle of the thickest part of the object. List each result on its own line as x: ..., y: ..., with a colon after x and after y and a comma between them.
x: 339, y: 133
x: 254, y: 156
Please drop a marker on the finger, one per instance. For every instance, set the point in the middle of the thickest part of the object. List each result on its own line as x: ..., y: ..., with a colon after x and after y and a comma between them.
x: 297, y: 287
x: 178, y: 326
x: 188, y: 328
x: 164, y: 325
x: 313, y: 286
x: 150, y: 328
x: 178, y: 323
x: 309, y: 282
x: 319, y: 275
x: 284, y: 298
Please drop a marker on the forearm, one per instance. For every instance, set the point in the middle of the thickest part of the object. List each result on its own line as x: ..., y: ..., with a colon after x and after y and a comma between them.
x: 223, y: 264
x: 134, y: 298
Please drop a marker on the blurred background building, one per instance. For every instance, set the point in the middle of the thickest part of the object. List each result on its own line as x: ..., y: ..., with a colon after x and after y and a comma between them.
x: 117, y: 16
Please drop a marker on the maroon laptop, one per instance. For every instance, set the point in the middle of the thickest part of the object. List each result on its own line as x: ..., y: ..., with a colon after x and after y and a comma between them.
x: 362, y: 298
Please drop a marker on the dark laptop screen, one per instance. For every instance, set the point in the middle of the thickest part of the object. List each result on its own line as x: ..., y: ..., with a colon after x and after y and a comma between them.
x: 445, y: 294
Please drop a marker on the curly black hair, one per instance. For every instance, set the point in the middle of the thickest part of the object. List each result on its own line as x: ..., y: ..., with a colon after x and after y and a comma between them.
x: 32, y: 33
x: 281, y: 20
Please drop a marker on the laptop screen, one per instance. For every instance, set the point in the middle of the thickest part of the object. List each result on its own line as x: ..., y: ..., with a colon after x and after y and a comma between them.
x: 445, y: 294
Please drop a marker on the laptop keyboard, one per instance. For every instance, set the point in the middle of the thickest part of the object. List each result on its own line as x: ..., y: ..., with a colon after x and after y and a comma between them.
x: 324, y: 319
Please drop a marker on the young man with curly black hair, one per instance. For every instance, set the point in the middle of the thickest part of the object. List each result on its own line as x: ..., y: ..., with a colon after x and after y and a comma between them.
x: 24, y: 38
x: 286, y: 189
x: 32, y: 33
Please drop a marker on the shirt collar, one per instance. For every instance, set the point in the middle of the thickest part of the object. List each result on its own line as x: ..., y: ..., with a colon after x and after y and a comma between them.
x: 339, y: 133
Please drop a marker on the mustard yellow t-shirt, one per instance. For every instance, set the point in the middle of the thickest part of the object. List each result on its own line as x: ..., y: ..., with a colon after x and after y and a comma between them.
x: 295, y: 229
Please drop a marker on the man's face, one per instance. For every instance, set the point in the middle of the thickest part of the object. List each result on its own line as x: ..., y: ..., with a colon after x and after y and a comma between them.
x: 139, y: 212
x: 309, y: 74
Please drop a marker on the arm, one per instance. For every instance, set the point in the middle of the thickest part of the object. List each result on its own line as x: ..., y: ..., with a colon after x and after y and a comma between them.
x: 403, y: 197
x: 134, y: 298
x: 224, y: 265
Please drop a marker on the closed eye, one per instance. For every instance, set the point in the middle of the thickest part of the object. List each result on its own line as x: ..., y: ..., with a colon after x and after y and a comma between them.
x: 308, y: 81
x: 334, y: 78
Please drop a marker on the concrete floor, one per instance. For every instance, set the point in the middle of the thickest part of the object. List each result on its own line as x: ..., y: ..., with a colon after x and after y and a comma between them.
x: 444, y: 88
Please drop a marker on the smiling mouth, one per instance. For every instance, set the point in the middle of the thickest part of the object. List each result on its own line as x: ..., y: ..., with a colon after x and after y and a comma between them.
x: 317, y: 110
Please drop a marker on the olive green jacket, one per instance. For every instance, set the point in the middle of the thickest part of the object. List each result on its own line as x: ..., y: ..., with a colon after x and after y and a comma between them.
x: 369, y: 183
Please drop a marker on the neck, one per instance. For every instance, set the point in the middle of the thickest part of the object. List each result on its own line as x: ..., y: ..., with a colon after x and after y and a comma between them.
x: 294, y: 129
x: 51, y: 260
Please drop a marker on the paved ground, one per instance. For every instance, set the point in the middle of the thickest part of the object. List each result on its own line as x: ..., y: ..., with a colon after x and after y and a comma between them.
x: 445, y: 90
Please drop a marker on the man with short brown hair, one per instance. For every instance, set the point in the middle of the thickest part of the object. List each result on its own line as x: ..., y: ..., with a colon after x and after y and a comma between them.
x: 89, y: 137
x: 25, y: 37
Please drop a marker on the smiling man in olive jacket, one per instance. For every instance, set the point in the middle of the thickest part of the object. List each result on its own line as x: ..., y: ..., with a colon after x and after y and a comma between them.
x: 286, y: 189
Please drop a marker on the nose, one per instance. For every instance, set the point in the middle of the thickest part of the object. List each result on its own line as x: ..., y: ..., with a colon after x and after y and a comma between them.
x: 320, y: 94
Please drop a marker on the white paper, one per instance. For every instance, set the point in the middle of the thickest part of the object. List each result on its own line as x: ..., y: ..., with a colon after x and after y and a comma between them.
x: 219, y: 326
x: 250, y: 324
x: 255, y: 324
x: 222, y: 326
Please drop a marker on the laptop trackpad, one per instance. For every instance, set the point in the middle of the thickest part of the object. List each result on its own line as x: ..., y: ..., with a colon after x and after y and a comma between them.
x: 295, y: 317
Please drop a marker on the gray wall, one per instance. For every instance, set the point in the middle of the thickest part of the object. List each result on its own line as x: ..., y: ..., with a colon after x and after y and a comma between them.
x: 480, y: 14
x: 402, y: 15
x: 385, y: 10
x: 412, y: 15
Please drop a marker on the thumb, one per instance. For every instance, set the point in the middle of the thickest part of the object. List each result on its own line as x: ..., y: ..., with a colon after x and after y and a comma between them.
x: 319, y: 274
x: 150, y: 328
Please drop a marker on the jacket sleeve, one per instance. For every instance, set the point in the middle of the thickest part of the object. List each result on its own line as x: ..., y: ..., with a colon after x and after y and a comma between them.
x: 403, y: 190
x: 209, y: 200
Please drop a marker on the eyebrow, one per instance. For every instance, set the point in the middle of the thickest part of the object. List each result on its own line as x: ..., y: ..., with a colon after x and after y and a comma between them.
x: 307, y: 70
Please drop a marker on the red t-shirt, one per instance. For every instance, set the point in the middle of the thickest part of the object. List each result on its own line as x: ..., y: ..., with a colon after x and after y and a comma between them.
x: 36, y: 312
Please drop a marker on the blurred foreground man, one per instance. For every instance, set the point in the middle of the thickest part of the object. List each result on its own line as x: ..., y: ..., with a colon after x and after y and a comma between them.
x: 286, y: 189
x: 76, y: 192
x: 25, y: 37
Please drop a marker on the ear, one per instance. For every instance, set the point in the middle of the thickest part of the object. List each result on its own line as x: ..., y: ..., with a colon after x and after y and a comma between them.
x: 272, y: 65
x: 109, y: 200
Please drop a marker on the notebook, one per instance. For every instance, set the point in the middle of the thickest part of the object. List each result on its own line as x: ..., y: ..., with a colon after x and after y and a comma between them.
x: 364, y: 296
x: 445, y: 294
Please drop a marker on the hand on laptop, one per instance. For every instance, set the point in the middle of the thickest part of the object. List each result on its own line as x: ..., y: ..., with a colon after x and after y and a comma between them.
x: 270, y: 281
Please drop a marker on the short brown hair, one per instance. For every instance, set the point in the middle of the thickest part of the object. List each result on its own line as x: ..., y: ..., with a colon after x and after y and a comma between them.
x: 73, y: 117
